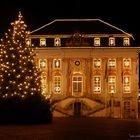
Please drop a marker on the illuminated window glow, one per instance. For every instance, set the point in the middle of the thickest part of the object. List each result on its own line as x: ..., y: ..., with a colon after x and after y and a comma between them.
x: 57, y: 84
x: 77, y: 82
x: 57, y: 42
x: 97, y: 84
x: 97, y: 63
x: 112, y: 84
x: 96, y: 41
x: 28, y: 42
x: 127, y: 63
x: 42, y: 63
x: 57, y: 63
x: 126, y: 84
x: 126, y: 41
x: 111, y: 41
x: 42, y: 42
x: 112, y: 63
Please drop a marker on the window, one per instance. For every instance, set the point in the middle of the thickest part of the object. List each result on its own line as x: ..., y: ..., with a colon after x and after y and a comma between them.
x: 44, y: 84
x: 112, y: 63
x: 42, y: 42
x: 127, y: 63
x: 127, y: 107
x: 126, y: 41
x: 112, y: 84
x: 57, y: 42
x: 42, y: 63
x: 57, y: 63
x: 97, y: 84
x: 77, y: 83
x: 126, y: 84
x: 111, y: 41
x: 97, y: 63
x: 96, y: 41
x: 28, y: 42
x: 57, y: 84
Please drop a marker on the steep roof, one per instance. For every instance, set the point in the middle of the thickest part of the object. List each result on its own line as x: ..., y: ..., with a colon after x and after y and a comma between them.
x: 84, y: 26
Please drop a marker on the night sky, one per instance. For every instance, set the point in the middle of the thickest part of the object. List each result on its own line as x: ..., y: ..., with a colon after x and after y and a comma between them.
x: 123, y: 14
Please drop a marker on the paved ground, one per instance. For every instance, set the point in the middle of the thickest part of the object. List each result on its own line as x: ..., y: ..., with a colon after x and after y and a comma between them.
x: 74, y: 129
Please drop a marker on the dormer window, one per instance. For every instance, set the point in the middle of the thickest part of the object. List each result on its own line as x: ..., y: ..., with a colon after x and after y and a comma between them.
x: 96, y: 41
x: 57, y: 42
x: 28, y: 42
x: 126, y: 41
x: 111, y: 41
x: 42, y: 42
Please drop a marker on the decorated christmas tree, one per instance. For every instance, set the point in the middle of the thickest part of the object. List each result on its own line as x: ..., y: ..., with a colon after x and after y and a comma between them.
x: 19, y: 75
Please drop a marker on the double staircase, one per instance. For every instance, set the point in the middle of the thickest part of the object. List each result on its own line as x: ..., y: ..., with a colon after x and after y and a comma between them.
x: 88, y: 107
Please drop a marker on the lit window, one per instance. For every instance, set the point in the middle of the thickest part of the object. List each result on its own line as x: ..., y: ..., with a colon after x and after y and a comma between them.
x: 112, y: 84
x: 44, y: 84
x: 28, y: 42
x: 57, y: 84
x: 57, y: 63
x: 97, y: 84
x: 96, y: 41
x: 57, y: 42
x: 127, y: 63
x: 112, y: 63
x: 42, y: 42
x: 42, y: 63
x: 111, y: 41
x: 97, y: 63
x: 126, y: 84
x: 126, y: 41
x: 77, y: 83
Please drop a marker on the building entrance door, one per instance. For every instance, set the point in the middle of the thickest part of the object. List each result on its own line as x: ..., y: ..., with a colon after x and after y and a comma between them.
x: 77, y: 86
x: 77, y: 109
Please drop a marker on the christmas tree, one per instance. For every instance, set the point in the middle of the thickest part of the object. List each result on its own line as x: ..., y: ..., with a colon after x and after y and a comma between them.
x: 19, y: 75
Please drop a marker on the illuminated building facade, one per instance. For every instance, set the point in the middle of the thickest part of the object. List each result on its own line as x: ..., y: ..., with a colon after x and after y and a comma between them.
x: 90, y: 68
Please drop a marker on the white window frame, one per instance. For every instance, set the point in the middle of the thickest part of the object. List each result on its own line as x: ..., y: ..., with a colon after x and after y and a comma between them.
x: 97, y: 41
x: 129, y: 61
x: 43, y: 61
x: 77, y: 82
x: 111, y: 64
x: 97, y: 84
x: 111, y: 41
x: 42, y: 41
x: 112, y: 84
x: 28, y: 42
x: 97, y: 63
x: 57, y: 63
x: 126, y: 41
x: 57, y: 42
x: 44, y: 84
x: 125, y: 83
x: 57, y: 84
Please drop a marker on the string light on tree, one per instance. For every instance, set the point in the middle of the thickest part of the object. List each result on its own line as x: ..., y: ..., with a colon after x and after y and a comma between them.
x: 17, y: 60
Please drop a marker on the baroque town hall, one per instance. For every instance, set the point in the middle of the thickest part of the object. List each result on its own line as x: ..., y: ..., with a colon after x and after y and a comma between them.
x: 90, y: 68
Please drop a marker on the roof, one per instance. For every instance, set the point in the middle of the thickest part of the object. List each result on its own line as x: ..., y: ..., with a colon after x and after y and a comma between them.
x: 84, y: 26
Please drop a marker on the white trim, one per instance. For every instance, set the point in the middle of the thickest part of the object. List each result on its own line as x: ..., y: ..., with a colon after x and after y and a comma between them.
x: 82, y: 20
x: 127, y: 84
x: 73, y: 93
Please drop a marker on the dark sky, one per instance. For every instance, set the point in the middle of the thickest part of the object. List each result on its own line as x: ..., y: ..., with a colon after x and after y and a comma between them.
x: 123, y: 14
